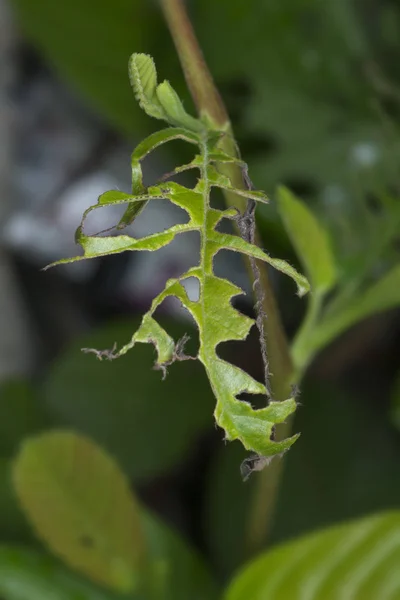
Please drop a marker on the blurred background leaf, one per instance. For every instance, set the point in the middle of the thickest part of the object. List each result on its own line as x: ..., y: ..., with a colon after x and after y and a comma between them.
x: 310, y: 241
x: 80, y: 505
x: 357, y: 560
x: 182, y: 572
x: 148, y: 424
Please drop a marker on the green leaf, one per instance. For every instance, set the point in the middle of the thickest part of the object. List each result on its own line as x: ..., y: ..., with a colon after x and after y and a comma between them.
x: 21, y: 414
x: 357, y: 560
x: 158, y: 101
x: 213, y: 312
x: 80, y: 504
x: 71, y: 502
x: 149, y: 144
x: 382, y: 295
x: 217, y: 320
x: 181, y: 572
x: 148, y: 424
x: 29, y: 575
x: 310, y: 241
x: 143, y: 77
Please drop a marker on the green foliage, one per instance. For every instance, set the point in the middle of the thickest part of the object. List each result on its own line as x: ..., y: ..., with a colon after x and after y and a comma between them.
x: 158, y: 101
x: 178, y: 568
x: 329, y: 481
x: 312, y: 116
x: 314, y: 102
x: 356, y: 560
x: 21, y: 414
x: 29, y: 575
x: 124, y: 405
x: 310, y: 241
x: 377, y: 297
x: 306, y: 121
x: 81, y: 506
x: 213, y: 312
x: 355, y: 297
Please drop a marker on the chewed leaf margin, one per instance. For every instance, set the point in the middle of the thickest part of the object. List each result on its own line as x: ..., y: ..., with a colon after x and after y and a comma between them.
x: 217, y: 320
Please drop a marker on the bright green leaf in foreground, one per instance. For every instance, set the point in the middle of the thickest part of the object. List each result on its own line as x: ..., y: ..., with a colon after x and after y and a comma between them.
x: 80, y: 504
x: 213, y: 312
x: 358, y: 561
x: 310, y: 241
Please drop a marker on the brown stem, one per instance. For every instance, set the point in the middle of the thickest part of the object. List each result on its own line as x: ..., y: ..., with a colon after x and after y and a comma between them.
x: 209, y: 104
x: 200, y: 82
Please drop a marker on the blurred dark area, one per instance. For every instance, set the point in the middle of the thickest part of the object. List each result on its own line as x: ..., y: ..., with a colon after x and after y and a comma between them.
x: 313, y: 90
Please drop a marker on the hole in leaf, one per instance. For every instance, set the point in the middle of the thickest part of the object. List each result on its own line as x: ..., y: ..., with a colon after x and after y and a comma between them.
x: 158, y: 216
x: 102, y: 219
x: 152, y: 269
x: 192, y: 287
x: 217, y: 199
x: 257, y: 401
x: 225, y: 226
x: 173, y: 306
x: 245, y: 354
x: 165, y: 159
x: 230, y: 265
x: 187, y: 178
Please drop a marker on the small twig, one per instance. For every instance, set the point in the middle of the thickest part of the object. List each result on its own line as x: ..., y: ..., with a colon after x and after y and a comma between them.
x: 247, y: 226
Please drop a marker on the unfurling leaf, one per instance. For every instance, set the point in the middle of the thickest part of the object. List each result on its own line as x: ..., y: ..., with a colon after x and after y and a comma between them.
x: 213, y: 313
x: 158, y: 101
x: 310, y: 241
x: 80, y: 504
x: 358, y: 560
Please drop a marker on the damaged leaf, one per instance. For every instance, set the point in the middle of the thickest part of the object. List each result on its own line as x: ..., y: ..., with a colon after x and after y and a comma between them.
x: 213, y: 312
